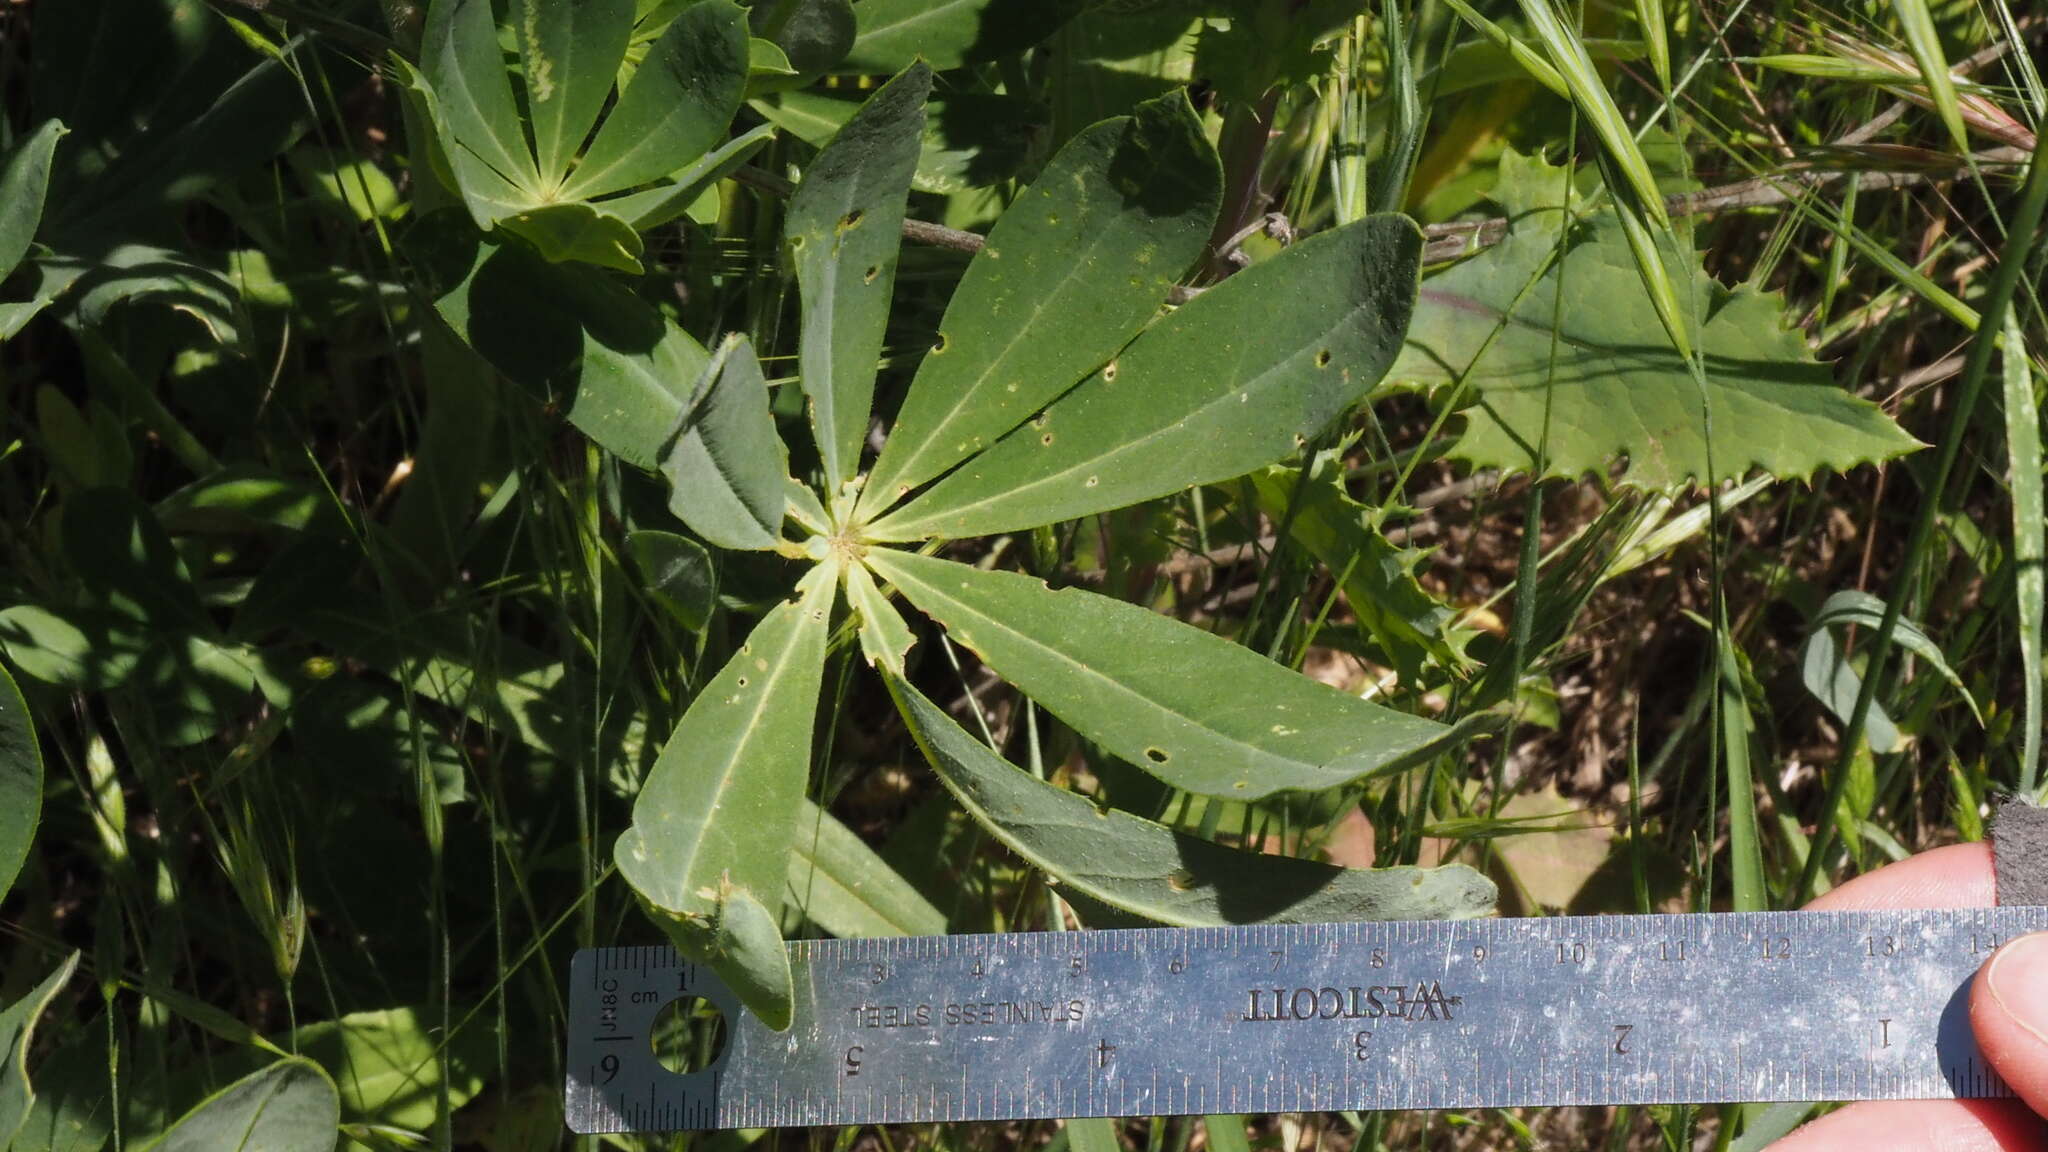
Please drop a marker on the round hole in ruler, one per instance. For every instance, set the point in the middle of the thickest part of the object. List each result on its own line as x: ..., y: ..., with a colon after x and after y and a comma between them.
x: 688, y: 1034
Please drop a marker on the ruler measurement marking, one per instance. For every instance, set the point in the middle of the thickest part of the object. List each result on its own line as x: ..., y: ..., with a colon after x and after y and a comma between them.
x: 1308, y: 1017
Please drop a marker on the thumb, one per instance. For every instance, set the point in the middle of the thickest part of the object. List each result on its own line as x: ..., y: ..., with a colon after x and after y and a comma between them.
x: 2009, y: 1014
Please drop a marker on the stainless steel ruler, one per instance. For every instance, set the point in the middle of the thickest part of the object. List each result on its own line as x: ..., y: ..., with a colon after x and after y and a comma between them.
x: 1312, y: 1017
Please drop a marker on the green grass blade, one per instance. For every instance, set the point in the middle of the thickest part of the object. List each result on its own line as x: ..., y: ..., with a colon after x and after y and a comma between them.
x: 1925, y: 44
x: 1582, y: 79
x: 2021, y: 233
x: 1531, y: 60
x: 2030, y: 585
x: 1656, y: 39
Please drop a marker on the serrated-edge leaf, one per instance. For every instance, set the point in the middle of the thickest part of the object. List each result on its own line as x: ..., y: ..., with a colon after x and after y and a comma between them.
x: 1074, y: 268
x: 461, y: 59
x: 726, y: 468
x: 677, y: 107
x: 24, y: 183
x: 17, y: 1033
x: 884, y: 636
x: 1164, y: 876
x: 844, y: 226
x: 1191, y: 708
x: 291, y: 1106
x: 1615, y: 386
x: 570, y: 50
x: 708, y: 849
x: 1236, y: 380
x: 21, y: 781
x: 846, y: 888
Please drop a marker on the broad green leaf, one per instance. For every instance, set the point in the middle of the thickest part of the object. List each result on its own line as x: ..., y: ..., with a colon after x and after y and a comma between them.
x: 1164, y: 876
x: 891, y: 34
x: 290, y: 1106
x: 665, y: 202
x: 677, y: 106
x: 884, y: 637
x: 971, y: 139
x: 708, y: 850
x: 844, y: 226
x: 1611, y: 380
x: 386, y: 1064
x: 24, y: 180
x: 71, y: 1111
x: 569, y: 334
x: 1828, y: 675
x: 1379, y: 579
x: 1191, y: 708
x: 1073, y: 269
x: 1234, y: 381
x: 813, y: 34
x: 351, y: 189
x: 83, y: 651
x: 1092, y: 1134
x: 17, y: 1033
x: 576, y: 230
x: 460, y: 57
x: 94, y: 282
x: 845, y: 888
x: 680, y: 575
x: 571, y: 51
x: 1226, y: 1133
x: 727, y: 468
x: 21, y: 781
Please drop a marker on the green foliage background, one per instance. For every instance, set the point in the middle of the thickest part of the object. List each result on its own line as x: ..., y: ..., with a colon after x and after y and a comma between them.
x: 487, y: 477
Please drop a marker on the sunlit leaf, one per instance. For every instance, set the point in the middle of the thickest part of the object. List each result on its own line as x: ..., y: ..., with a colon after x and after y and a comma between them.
x: 1236, y: 380
x: 1160, y: 875
x: 677, y: 106
x: 845, y: 888
x: 708, y: 850
x: 1610, y: 380
x: 844, y: 226
x: 460, y: 58
x: 1192, y: 708
x: 570, y: 50
x: 1073, y: 269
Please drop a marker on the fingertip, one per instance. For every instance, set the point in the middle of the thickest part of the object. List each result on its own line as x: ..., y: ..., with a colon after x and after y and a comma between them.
x: 1920, y: 1126
x: 2009, y: 1015
x: 1954, y: 876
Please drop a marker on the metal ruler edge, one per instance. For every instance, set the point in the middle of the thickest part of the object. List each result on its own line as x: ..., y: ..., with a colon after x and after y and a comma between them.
x: 1693, y: 1008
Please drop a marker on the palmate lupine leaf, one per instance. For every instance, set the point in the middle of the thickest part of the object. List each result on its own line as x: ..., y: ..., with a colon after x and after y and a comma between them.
x: 1237, y: 379
x: 1076, y: 267
x: 708, y: 850
x: 571, y: 51
x: 1192, y: 708
x: 677, y: 106
x: 1153, y: 872
x: 24, y: 182
x: 844, y: 226
x: 1613, y: 383
x: 727, y: 469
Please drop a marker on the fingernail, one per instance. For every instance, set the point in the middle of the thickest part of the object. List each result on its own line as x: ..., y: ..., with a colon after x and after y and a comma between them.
x: 2018, y: 981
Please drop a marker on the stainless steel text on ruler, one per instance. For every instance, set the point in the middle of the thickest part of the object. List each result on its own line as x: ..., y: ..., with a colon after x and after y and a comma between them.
x: 1316, y: 1017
